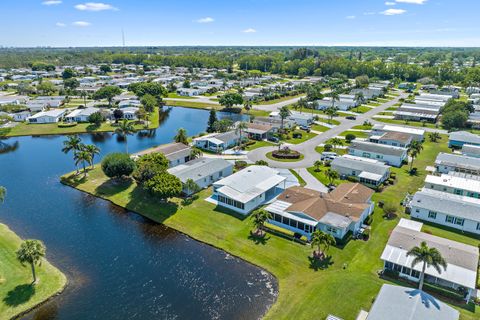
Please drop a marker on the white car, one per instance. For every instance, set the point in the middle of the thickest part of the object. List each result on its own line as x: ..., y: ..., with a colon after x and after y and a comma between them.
x: 328, y: 156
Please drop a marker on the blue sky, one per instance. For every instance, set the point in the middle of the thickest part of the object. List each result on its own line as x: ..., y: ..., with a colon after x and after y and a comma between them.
x: 242, y: 22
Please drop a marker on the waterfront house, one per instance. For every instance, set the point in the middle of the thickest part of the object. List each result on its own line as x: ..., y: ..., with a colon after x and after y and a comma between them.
x: 461, y: 259
x: 303, y: 210
x: 451, y: 210
x: 81, y: 115
x: 394, y: 156
x: 203, y: 171
x: 257, y: 131
x: 217, y: 142
x: 458, y: 138
x: 448, y: 162
x: 50, y: 116
x: 395, y: 302
x: 459, y: 184
x: 379, y: 129
x: 370, y: 172
x: 248, y: 189
x: 176, y: 153
x: 21, y: 116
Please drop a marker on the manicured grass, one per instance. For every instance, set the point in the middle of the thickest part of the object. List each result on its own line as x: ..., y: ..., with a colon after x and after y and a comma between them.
x: 175, y: 95
x: 299, y: 178
x: 279, y: 99
x: 305, y: 136
x: 320, y: 128
x: 269, y: 156
x: 193, y: 104
x: 358, y: 134
x: 332, y: 122
x: 343, y: 285
x: 17, y: 295
x: 259, y: 144
x: 25, y: 129
x: 409, y: 123
x: 320, y: 175
x: 374, y: 104
x: 362, y: 127
x: 338, y: 151
x: 361, y: 109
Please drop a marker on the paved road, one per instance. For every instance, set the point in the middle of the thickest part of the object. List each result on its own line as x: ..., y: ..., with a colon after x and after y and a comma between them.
x: 307, y: 148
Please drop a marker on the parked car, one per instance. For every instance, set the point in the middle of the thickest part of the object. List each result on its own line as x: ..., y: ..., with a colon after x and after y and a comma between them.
x: 328, y: 156
x: 351, y: 118
x: 305, y: 128
x: 274, y: 139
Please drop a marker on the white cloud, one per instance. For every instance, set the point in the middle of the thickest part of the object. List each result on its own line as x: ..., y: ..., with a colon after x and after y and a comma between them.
x: 393, y: 12
x: 60, y: 24
x: 81, y: 24
x: 350, y: 17
x: 389, y: 3
x: 94, y: 6
x: 411, y: 1
x: 249, y: 30
x: 51, y: 2
x: 205, y: 20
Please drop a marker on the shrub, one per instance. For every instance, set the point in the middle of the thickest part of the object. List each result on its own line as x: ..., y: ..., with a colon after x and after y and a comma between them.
x: 66, y: 124
x: 240, y: 164
x: 261, y: 163
x: 282, y: 154
x: 150, y: 165
x: 327, y: 147
x: 297, y: 135
x: 350, y: 137
x: 117, y: 165
x: 163, y: 185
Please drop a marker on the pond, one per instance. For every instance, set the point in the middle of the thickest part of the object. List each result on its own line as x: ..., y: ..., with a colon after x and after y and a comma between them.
x: 120, y: 265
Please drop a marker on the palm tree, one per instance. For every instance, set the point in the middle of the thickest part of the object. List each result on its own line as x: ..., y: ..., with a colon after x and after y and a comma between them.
x: 321, y: 239
x: 317, y: 165
x: 93, y: 150
x: 259, y: 217
x: 429, y: 257
x: 336, y: 142
x: 414, y: 150
x: 359, y: 98
x: 434, y: 136
x: 3, y: 194
x: 239, y: 129
x: 331, y: 175
x: 335, y: 97
x: 83, y: 94
x: 191, y: 186
x: 247, y: 106
x: 283, y: 113
x: 125, y: 129
x: 181, y: 136
x: 195, y: 153
x: 74, y: 144
x: 83, y: 157
x: 31, y: 252
x: 330, y: 112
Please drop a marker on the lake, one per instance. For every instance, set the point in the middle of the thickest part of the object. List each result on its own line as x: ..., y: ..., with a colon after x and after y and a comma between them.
x: 119, y: 264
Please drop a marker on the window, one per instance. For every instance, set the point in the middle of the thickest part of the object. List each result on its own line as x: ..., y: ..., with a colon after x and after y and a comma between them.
x: 366, y: 155
x: 457, y: 191
x: 417, y: 210
x: 478, y: 225
x: 432, y: 214
x: 459, y: 221
x: 331, y: 230
x: 379, y: 156
x: 449, y: 219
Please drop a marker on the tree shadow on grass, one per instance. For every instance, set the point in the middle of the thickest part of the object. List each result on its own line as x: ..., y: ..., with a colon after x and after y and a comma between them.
x: 19, y: 295
x: 142, y: 202
x: 113, y: 186
x: 322, y: 264
x: 263, y: 240
x: 230, y: 212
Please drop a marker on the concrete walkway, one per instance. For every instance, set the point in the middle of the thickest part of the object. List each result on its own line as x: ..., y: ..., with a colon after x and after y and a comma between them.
x: 311, y: 181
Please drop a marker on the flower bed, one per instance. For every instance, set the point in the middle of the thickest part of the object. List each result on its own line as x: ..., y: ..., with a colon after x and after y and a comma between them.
x: 281, y: 154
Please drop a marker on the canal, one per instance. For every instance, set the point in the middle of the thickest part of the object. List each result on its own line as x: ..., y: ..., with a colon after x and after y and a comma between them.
x: 120, y: 265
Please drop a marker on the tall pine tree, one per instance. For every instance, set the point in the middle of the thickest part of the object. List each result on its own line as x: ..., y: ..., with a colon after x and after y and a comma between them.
x: 211, y: 121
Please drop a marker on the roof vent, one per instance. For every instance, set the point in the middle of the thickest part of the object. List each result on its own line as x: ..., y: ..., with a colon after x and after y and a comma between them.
x: 287, y: 196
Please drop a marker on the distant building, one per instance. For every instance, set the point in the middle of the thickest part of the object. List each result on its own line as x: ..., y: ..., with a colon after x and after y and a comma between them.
x: 51, y: 116
x: 81, y: 115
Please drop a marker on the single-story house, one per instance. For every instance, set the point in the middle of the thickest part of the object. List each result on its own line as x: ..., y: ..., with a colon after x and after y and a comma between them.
x: 217, y: 142
x: 454, y: 183
x: 368, y: 93
x: 301, y: 118
x: 21, y: 116
x: 396, y: 302
x: 394, y: 156
x: 81, y: 115
x: 189, y: 92
x: 343, y: 104
x: 37, y: 106
x: 52, y: 101
x: 458, y: 138
x: 470, y: 150
x: 392, y: 138
x: 257, y: 131
x: 449, y: 162
x: 416, y: 114
x: 378, y: 129
x: 303, y: 210
x: 176, y: 153
x: 443, y: 208
x: 51, y: 116
x: 248, y: 189
x: 274, y: 122
x: 130, y: 113
x: 367, y: 171
x: 129, y: 103
x: 461, y: 259
x: 203, y: 171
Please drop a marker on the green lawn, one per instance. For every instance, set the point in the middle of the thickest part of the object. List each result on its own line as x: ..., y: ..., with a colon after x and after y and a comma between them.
x: 320, y: 128
x: 259, y: 144
x: 409, y: 123
x: 338, y: 151
x: 305, y: 136
x: 320, y: 175
x: 361, y: 109
x: 269, y: 156
x: 346, y: 284
x: 358, y: 134
x: 333, y: 121
x: 362, y: 127
x: 175, y: 95
x: 279, y: 99
x: 300, y: 179
x: 25, y: 129
x: 17, y: 295
x: 193, y: 104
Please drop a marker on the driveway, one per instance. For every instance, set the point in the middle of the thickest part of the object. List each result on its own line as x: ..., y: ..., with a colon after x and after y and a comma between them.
x: 307, y: 148
x: 311, y: 181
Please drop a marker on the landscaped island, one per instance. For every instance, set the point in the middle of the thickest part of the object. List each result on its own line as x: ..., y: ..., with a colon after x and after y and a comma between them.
x: 17, y: 293
x: 344, y: 283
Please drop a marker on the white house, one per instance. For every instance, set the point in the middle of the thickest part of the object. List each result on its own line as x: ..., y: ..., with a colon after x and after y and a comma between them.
x: 247, y: 189
x: 379, y: 129
x: 443, y: 208
x: 21, y: 116
x: 81, y: 115
x: 455, y: 183
x: 176, y: 153
x: 461, y: 259
x: 470, y: 150
x: 204, y: 171
x: 449, y: 162
x: 217, y: 142
x: 51, y: 116
x: 394, y: 156
x: 370, y: 172
x: 391, y: 138
x: 303, y: 210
